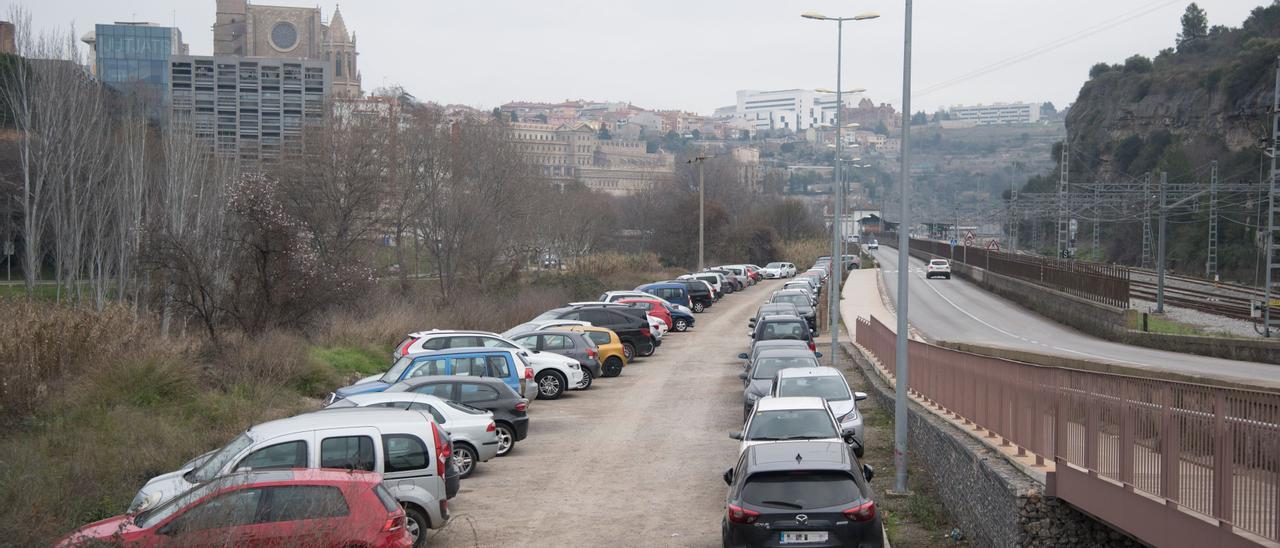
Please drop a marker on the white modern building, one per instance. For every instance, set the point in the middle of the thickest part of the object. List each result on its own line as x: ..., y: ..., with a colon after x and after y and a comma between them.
x: 999, y: 113
x: 792, y: 109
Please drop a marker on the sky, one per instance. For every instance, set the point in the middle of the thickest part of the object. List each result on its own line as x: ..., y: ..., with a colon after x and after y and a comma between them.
x: 695, y: 54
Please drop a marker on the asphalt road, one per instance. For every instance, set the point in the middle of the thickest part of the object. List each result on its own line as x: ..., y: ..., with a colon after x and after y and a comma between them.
x: 634, y: 461
x: 958, y: 311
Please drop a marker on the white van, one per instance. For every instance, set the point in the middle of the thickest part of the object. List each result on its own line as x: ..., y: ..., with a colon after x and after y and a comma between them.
x: 406, y: 447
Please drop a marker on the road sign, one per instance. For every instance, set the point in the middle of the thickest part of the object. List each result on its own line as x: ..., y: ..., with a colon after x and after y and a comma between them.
x: 993, y: 245
x: 954, y: 242
x: 969, y: 235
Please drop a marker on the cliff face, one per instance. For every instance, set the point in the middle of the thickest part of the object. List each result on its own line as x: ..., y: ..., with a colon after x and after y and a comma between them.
x: 1208, y: 100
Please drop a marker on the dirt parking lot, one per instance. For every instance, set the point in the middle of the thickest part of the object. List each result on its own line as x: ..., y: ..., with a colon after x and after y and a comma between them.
x: 634, y: 461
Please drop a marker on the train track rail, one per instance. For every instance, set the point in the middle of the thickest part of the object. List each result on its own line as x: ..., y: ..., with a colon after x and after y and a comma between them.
x: 1212, y: 302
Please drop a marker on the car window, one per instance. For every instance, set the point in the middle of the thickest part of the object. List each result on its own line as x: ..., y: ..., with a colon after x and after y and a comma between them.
x: 439, y: 389
x: 556, y: 342
x: 348, y: 453
x: 791, y: 424
x: 768, y: 368
x: 598, y: 316
x: 389, y: 503
x: 796, y: 490
x: 403, y: 452
x: 465, y: 341
x: 292, y: 454
x: 530, y: 342
x: 600, y: 337
x: 469, y: 367
x: 212, y: 466
x: 436, y: 343
x: 572, y: 315
x: 494, y: 342
x: 830, y: 388
x: 298, y: 502
x: 423, y: 367
x: 419, y: 406
x: 386, y: 404
x: 498, y: 366
x: 783, y: 330
x: 472, y: 392
x: 232, y: 509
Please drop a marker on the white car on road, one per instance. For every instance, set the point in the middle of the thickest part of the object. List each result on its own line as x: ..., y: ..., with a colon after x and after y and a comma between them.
x: 938, y: 267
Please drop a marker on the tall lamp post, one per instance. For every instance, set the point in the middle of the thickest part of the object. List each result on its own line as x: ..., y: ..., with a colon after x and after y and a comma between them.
x: 904, y: 257
x: 702, y: 194
x: 837, y: 258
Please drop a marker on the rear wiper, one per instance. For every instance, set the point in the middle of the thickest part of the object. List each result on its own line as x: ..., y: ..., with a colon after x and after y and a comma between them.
x: 765, y: 439
x: 783, y: 504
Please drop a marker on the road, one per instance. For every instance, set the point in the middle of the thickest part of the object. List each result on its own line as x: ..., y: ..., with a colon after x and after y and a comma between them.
x: 958, y: 311
x: 634, y: 461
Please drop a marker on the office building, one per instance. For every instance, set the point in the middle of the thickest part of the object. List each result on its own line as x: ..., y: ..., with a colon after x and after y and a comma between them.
x: 133, y: 57
x: 279, y: 32
x: 788, y: 109
x: 999, y: 113
x: 250, y: 108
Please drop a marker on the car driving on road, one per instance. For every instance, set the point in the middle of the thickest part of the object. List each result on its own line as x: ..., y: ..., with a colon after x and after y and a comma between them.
x: 940, y: 268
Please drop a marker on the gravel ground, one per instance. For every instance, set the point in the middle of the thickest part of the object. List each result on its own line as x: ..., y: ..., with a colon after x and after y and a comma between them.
x: 1210, y: 323
x: 634, y: 461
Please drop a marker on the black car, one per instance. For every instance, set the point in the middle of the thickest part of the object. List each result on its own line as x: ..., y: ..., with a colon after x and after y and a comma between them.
x: 772, y: 309
x: 811, y: 493
x: 783, y: 328
x: 699, y: 291
x: 803, y: 304
x: 729, y: 277
x: 630, y: 323
x: 510, y: 411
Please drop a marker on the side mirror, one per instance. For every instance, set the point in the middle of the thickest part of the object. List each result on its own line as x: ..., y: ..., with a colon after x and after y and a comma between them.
x: 752, y: 334
x: 728, y: 476
x: 742, y: 376
x: 743, y: 356
x: 859, y: 396
x: 735, y: 435
x: 867, y: 472
x: 817, y: 354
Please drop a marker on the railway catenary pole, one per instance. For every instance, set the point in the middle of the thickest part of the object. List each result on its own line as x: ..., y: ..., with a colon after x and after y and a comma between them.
x: 1211, y: 256
x: 1272, y: 203
x: 1160, y: 244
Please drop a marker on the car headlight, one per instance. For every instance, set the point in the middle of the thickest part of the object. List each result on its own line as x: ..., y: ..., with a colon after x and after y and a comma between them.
x: 852, y: 415
x: 144, y: 501
x: 752, y: 397
x: 575, y: 366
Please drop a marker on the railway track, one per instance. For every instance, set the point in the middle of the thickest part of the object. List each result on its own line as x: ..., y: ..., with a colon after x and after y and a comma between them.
x: 1222, y: 299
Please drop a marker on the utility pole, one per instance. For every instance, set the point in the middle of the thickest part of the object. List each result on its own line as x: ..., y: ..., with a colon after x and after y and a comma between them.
x: 1273, y: 269
x: 1164, y: 215
x: 901, y: 379
x: 1014, y: 221
x: 1097, y: 221
x: 702, y: 195
x: 1062, y: 203
x: 1211, y: 262
x: 1146, y: 220
x: 837, y: 255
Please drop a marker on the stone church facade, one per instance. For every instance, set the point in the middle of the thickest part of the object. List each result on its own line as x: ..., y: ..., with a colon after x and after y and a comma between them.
x: 249, y: 30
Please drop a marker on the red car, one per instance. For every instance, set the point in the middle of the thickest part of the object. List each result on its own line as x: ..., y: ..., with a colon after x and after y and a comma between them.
x: 652, y: 307
x: 300, y: 507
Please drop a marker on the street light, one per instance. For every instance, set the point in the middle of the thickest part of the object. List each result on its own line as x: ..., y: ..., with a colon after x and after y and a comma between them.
x: 701, y: 216
x: 901, y: 380
x: 837, y: 257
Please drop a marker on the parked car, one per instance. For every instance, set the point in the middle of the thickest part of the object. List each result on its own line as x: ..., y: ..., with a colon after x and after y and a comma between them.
x: 830, y: 385
x: 778, y: 420
x: 804, y: 286
x: 537, y: 325
x: 773, y: 485
x: 813, y: 284
x: 717, y: 282
x: 740, y: 272
x: 567, y: 343
x: 612, y: 353
x: 263, y: 508
x: 412, y: 464
x: 778, y: 270
x: 445, y: 339
x: 631, y: 325
x: 501, y: 363
x: 764, y: 368
x: 657, y: 327
x: 654, y: 307
x: 739, y: 281
x: 803, y: 303
x: 938, y: 267
x: 753, y: 271
x: 696, y: 296
x: 473, y: 431
x: 510, y: 411
x: 783, y: 327
x: 760, y: 347
x: 614, y: 296
x: 772, y: 309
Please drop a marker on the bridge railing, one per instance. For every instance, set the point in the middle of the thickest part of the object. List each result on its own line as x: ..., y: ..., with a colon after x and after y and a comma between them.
x: 1222, y: 445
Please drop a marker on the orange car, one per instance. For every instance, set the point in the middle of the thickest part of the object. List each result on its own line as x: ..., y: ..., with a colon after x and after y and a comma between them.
x: 612, y: 357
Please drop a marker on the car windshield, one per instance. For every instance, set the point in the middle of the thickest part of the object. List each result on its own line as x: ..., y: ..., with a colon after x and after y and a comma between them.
x: 213, y: 465
x: 392, y: 375
x: 148, y: 518
x: 829, y: 387
x: 796, y: 299
x: 791, y: 424
x: 767, y: 368
x: 774, y: 265
x: 801, y: 490
x: 787, y: 330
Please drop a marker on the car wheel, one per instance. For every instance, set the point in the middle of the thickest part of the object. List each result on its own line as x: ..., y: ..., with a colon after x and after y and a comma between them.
x: 649, y: 350
x: 629, y: 350
x: 612, y: 366
x: 466, y: 457
x: 699, y: 307
x: 506, y: 439
x: 682, y: 325
x: 416, y: 524
x: 586, y: 379
x: 550, y: 385
x: 948, y: 276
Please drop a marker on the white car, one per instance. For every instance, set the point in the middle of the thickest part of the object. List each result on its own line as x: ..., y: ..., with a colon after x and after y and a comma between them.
x: 826, y: 383
x: 474, y: 432
x: 615, y: 296
x: 778, y: 270
x: 713, y: 279
x: 777, y: 420
x: 441, y: 339
x: 938, y: 267
x: 875, y: 244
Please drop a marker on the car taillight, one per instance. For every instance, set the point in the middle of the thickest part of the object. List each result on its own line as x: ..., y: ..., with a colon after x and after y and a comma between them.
x: 813, y: 347
x: 522, y: 405
x: 862, y: 512
x: 442, y: 451
x: 493, y: 427
x: 738, y: 514
x: 394, y: 523
x: 528, y: 373
x: 591, y: 352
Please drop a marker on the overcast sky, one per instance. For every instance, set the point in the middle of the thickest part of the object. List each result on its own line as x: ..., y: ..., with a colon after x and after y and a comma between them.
x: 694, y: 54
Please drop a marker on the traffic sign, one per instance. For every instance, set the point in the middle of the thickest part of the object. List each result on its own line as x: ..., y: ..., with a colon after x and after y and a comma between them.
x: 954, y: 242
x: 969, y: 235
x: 993, y: 245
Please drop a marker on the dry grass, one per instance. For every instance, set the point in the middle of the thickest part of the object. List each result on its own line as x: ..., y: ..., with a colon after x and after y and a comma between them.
x: 804, y: 252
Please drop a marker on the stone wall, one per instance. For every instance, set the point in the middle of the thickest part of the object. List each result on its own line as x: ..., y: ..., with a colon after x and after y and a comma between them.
x: 995, y: 503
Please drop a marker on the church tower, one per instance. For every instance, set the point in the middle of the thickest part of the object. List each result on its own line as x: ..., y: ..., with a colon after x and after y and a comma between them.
x: 339, y: 51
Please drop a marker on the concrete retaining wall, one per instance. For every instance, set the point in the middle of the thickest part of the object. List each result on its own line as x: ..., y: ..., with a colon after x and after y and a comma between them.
x: 995, y: 503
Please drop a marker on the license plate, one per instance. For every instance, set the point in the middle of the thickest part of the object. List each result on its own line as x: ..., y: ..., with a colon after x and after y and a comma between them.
x: 801, y: 537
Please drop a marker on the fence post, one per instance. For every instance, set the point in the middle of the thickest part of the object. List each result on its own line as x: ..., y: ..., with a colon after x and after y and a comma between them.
x: 1059, y: 423
x: 1223, y: 474
x: 1091, y: 429
x: 1126, y: 438
x: 1170, y: 468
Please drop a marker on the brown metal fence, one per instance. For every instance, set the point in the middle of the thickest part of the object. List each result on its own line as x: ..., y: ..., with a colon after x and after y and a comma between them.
x: 1223, y: 443
x: 1104, y: 283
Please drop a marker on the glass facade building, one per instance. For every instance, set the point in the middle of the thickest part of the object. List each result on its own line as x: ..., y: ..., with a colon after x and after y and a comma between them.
x: 132, y: 55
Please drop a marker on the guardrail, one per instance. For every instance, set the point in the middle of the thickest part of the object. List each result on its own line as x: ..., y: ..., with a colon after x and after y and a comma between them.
x: 1113, y: 439
x: 1098, y: 282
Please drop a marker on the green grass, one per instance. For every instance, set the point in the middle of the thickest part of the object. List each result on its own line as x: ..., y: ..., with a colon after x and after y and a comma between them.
x: 351, y: 359
x: 44, y: 292
x: 1156, y: 324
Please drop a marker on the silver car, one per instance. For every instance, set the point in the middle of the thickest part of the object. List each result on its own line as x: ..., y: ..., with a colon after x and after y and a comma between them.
x: 759, y: 378
x: 474, y: 433
x: 826, y: 383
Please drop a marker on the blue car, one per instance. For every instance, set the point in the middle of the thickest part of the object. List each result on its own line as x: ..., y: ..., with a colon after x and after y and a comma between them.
x: 683, y: 320
x: 497, y: 363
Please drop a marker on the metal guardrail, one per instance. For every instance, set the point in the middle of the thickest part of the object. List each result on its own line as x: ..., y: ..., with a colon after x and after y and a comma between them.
x: 1098, y: 282
x: 1224, y: 443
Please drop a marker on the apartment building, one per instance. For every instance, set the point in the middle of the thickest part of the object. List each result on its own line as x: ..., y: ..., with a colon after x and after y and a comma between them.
x: 999, y: 113
x: 575, y: 153
x: 788, y: 109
